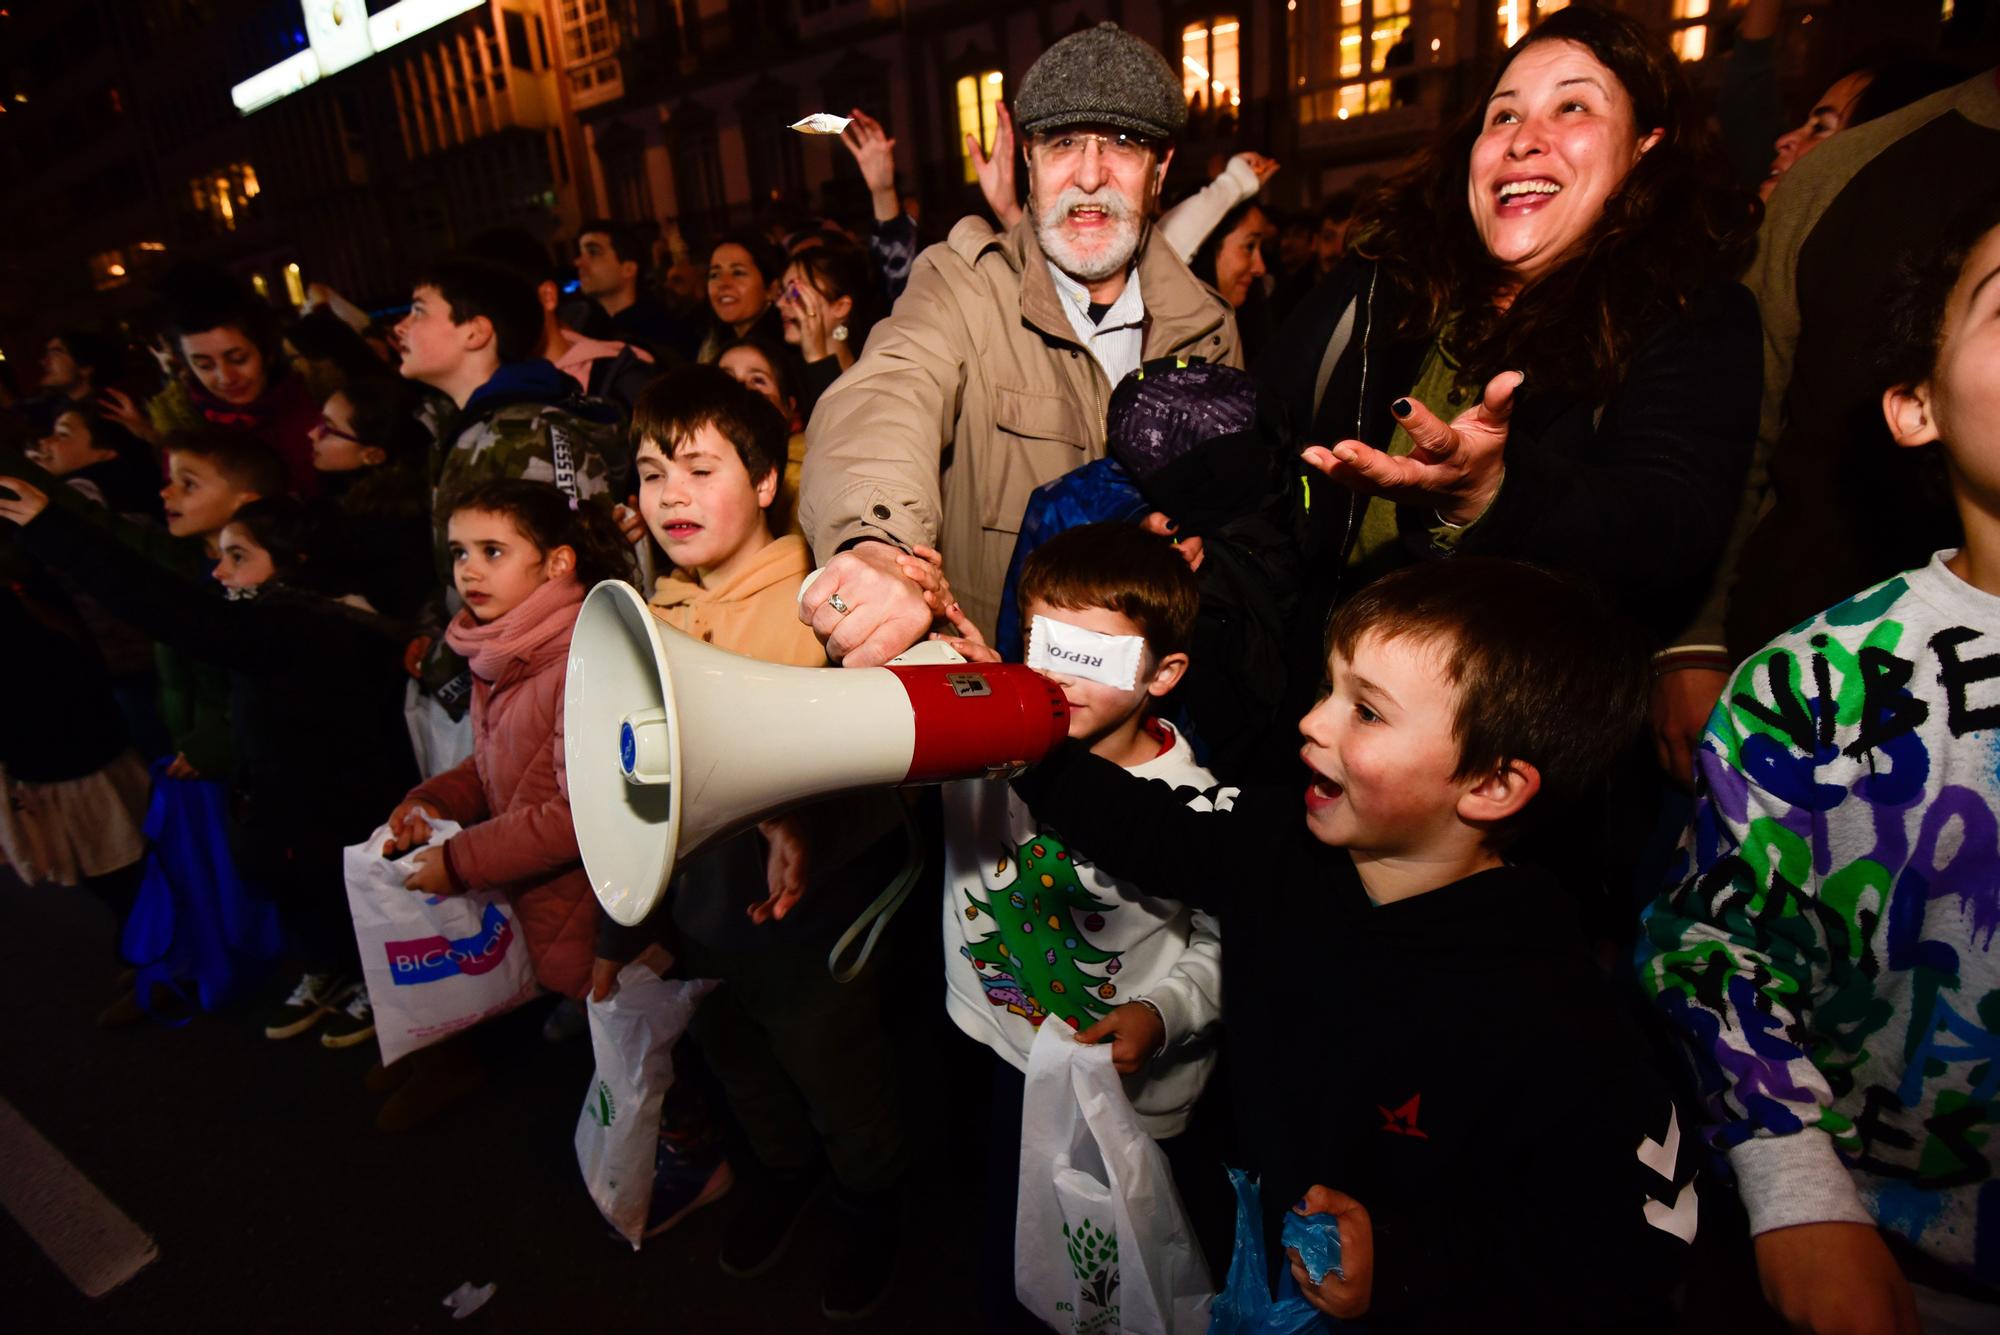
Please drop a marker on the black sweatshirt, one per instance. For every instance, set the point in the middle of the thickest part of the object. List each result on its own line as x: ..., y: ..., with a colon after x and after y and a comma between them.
x: 1455, y: 1061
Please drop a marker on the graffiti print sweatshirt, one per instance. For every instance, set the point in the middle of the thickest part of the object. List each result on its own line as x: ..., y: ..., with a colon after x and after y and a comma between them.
x: 1828, y: 952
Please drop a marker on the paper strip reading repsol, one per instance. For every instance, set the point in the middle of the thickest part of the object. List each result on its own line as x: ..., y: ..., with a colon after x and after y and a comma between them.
x: 1113, y: 660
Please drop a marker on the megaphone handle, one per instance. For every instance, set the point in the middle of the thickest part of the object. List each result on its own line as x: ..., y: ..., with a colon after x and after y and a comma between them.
x: 876, y: 916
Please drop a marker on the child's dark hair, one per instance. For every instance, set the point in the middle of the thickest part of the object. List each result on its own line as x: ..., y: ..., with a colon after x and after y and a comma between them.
x: 384, y: 409
x: 1123, y: 568
x: 780, y: 358
x: 1543, y: 670
x: 104, y: 356
x: 1913, y: 328
x: 105, y: 433
x: 688, y: 398
x: 281, y: 526
x: 507, y: 300
x: 244, y: 461
x: 547, y: 517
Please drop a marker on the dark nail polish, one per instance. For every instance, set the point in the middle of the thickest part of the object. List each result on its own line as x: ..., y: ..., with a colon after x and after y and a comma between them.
x: 1401, y: 407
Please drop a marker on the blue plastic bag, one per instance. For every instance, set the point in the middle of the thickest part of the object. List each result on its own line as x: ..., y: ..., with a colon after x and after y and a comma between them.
x: 1317, y: 1239
x: 194, y: 921
x: 1245, y: 1305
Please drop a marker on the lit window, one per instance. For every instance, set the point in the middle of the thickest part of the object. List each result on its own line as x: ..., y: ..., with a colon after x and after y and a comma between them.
x: 587, y: 31
x: 1690, y: 39
x: 224, y: 195
x: 1515, y: 17
x: 1211, y: 63
x: 1342, y: 48
x: 978, y: 115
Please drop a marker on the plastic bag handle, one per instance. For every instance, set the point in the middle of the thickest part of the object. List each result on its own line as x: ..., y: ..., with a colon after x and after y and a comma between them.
x: 876, y: 916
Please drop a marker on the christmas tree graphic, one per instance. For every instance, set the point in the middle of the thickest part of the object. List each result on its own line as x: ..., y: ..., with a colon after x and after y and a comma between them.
x: 1031, y: 962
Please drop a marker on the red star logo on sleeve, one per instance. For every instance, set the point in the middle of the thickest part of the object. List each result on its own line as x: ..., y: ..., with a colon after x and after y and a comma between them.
x: 1402, y: 1121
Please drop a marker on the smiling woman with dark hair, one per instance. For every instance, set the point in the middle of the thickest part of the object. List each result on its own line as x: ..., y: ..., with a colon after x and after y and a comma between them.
x: 1537, y: 348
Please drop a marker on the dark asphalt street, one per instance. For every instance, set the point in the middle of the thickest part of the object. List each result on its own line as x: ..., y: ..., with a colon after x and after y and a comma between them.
x: 277, y: 1206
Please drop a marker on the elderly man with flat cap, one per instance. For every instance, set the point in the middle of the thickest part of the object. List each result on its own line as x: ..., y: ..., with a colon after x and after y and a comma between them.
x: 993, y: 374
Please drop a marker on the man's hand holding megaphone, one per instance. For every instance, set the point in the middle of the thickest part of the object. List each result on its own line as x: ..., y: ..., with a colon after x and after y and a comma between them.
x: 866, y: 606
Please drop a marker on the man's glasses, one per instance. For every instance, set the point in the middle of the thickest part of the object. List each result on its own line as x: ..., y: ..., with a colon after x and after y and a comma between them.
x: 1061, y: 148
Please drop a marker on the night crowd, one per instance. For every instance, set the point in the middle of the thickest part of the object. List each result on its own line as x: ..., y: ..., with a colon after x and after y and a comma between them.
x: 1531, y: 629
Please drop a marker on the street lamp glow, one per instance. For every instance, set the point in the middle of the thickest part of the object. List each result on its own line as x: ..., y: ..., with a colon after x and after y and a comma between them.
x: 338, y: 38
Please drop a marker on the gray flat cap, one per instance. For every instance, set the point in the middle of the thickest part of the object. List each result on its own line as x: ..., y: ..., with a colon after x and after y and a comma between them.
x: 1102, y: 76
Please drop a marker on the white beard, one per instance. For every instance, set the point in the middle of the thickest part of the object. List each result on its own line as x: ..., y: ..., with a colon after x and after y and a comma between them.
x: 1110, y: 256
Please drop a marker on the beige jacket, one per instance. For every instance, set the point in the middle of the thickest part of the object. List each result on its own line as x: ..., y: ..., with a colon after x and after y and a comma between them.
x: 973, y: 393
x: 756, y: 614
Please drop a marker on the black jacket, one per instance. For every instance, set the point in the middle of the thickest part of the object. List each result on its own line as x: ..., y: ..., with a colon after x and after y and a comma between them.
x: 1455, y: 1061
x: 61, y: 722
x: 315, y: 689
x: 1636, y: 493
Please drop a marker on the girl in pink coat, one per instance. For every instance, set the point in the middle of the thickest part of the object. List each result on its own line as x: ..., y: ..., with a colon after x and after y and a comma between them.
x: 522, y: 560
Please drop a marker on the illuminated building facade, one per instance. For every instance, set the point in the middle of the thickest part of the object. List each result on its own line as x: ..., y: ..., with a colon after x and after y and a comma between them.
x: 346, y: 141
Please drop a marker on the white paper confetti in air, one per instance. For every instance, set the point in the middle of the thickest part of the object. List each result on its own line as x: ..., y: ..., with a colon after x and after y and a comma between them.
x: 465, y: 1299
x: 823, y: 122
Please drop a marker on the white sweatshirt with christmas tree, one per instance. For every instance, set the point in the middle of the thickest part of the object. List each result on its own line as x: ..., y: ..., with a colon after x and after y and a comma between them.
x: 1031, y: 930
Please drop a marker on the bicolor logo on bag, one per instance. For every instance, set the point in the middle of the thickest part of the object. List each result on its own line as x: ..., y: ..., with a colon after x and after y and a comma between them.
x: 430, y: 958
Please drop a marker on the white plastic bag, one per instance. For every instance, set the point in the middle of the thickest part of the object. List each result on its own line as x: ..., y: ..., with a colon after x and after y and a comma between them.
x: 434, y: 964
x: 1101, y: 1240
x: 632, y: 1036
x: 437, y: 740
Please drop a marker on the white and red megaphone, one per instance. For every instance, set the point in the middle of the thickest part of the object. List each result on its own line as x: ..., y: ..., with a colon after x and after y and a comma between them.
x: 672, y: 743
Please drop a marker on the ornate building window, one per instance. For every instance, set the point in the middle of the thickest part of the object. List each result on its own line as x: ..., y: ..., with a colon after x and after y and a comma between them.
x: 978, y: 114
x: 1346, y: 55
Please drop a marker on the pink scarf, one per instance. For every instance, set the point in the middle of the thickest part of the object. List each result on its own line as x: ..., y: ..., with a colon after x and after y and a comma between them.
x: 538, y: 629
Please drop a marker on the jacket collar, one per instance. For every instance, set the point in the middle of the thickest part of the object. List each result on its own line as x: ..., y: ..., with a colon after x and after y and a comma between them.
x: 531, y: 381
x: 1179, y: 309
x: 781, y: 560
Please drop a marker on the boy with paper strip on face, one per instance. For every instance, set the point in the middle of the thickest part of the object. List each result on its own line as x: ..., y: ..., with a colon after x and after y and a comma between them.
x: 1035, y: 934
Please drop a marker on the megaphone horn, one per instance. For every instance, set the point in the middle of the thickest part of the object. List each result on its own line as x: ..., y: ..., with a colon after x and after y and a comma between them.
x: 671, y: 743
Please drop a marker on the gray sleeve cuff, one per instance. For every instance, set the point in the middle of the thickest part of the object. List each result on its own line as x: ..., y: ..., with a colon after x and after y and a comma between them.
x: 1795, y: 1179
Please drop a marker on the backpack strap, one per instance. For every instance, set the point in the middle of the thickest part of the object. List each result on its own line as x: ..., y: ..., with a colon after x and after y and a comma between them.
x: 1343, y: 334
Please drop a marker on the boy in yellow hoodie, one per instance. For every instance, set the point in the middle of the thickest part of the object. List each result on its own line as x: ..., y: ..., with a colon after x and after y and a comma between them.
x: 802, y: 1058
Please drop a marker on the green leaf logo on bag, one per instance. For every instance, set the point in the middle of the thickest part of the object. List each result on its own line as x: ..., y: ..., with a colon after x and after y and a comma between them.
x: 1093, y: 1255
x: 602, y: 1109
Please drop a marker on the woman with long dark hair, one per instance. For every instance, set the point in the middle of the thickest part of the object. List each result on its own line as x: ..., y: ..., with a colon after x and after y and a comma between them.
x: 828, y: 303
x: 1537, y: 347
x: 1231, y: 260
